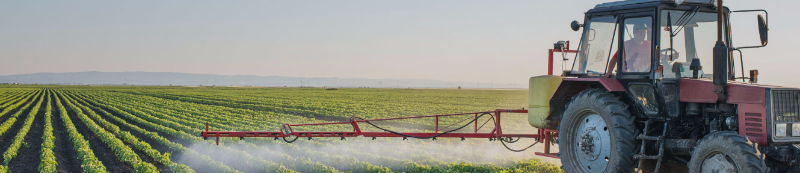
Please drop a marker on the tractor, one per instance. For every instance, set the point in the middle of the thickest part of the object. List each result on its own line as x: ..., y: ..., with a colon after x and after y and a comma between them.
x: 650, y: 89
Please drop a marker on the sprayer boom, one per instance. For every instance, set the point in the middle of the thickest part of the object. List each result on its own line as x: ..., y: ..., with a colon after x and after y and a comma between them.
x: 286, y: 130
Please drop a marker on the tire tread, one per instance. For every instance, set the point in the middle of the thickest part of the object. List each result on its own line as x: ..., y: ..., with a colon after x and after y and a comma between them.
x: 619, y: 120
x: 742, y: 149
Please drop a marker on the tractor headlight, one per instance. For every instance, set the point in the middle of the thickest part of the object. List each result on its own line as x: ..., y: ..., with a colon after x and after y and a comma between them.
x: 780, y: 129
x: 796, y: 129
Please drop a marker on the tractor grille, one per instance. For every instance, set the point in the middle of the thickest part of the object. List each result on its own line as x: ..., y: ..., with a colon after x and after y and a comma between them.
x: 786, y: 105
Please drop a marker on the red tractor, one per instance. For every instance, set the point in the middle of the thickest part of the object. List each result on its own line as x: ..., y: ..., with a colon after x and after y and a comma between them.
x: 646, y: 92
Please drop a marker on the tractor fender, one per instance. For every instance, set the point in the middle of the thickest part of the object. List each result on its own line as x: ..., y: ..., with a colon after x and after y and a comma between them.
x: 548, y: 96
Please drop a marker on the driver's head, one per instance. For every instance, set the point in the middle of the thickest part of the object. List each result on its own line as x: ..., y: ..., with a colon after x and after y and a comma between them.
x: 640, y: 31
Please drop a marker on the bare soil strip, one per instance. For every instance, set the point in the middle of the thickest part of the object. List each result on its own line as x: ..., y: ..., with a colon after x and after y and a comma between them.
x: 100, y: 149
x: 66, y: 156
x: 28, y: 157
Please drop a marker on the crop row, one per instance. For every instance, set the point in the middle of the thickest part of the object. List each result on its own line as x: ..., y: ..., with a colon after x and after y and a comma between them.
x: 130, y: 139
x: 212, y: 166
x: 12, y: 150
x: 320, y: 103
x: 173, y: 118
x: 47, y: 163
x: 243, y: 160
x: 317, y: 156
x: 89, y: 161
x: 11, y: 120
x: 11, y: 105
x: 409, y: 165
x: 289, y: 161
x: 12, y: 97
x: 285, y: 106
x: 122, y: 151
x: 349, y: 162
x: 8, y: 94
x: 286, y: 160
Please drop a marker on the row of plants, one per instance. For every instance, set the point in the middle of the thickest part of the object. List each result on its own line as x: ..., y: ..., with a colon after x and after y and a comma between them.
x: 377, y: 103
x: 295, y: 163
x: 13, y: 149
x: 298, y: 164
x: 168, y: 121
x: 122, y: 151
x: 13, y: 104
x: 47, y: 163
x: 127, y: 137
x: 339, y: 160
x: 244, y: 160
x: 86, y: 156
x: 13, y: 118
x: 355, y: 98
x: 211, y: 165
x: 181, y: 117
x: 10, y: 97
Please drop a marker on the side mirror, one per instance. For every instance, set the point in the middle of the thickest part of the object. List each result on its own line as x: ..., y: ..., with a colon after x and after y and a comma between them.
x: 763, y: 27
x: 575, y: 25
x: 762, y: 30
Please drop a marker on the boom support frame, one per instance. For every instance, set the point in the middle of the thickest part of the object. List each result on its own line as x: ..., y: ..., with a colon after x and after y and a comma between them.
x: 543, y: 135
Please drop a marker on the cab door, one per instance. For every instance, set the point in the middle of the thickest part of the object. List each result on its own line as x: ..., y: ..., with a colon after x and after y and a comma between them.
x: 636, y: 62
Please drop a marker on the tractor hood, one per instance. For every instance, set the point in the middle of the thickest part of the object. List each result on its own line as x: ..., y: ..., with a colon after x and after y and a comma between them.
x: 767, y: 113
x: 702, y: 91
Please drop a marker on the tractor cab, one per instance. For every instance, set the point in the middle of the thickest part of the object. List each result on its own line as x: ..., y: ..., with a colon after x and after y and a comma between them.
x: 648, y: 39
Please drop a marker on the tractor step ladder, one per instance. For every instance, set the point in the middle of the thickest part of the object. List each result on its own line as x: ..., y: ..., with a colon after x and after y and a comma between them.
x: 641, y: 156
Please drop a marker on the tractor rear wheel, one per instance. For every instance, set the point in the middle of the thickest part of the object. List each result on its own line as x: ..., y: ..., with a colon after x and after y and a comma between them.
x: 596, y: 134
x: 726, y: 152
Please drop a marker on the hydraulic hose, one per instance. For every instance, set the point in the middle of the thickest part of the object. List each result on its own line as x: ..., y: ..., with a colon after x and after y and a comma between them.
x: 502, y: 140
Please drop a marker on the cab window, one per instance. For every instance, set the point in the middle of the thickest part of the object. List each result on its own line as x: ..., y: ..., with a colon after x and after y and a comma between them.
x: 686, y: 35
x: 596, y: 46
x: 637, y: 47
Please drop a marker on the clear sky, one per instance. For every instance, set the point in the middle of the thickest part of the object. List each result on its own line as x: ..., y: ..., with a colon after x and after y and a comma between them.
x: 452, y: 40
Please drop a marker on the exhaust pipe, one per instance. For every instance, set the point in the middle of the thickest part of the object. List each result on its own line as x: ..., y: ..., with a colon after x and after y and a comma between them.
x: 720, y: 59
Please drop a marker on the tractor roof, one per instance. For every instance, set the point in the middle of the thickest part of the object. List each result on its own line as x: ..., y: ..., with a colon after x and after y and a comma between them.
x: 629, y: 4
x: 639, y: 3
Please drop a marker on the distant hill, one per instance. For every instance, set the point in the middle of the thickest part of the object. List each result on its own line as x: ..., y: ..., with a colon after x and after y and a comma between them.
x: 188, y: 79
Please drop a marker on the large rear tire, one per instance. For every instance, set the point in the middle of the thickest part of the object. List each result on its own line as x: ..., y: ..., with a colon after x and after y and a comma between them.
x: 596, y: 134
x: 726, y: 152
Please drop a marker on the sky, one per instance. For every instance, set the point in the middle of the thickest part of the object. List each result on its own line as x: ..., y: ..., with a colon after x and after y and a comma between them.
x: 449, y: 40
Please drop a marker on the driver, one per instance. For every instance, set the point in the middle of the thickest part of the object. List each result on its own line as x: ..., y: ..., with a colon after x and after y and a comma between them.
x: 637, y: 52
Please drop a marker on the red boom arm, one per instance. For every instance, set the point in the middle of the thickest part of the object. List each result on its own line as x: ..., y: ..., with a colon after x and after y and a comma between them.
x: 543, y: 135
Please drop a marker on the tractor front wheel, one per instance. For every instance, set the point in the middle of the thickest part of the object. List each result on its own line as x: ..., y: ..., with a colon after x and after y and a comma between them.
x: 596, y: 134
x: 726, y: 152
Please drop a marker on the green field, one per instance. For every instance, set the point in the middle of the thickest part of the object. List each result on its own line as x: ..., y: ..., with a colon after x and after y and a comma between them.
x: 157, y: 129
